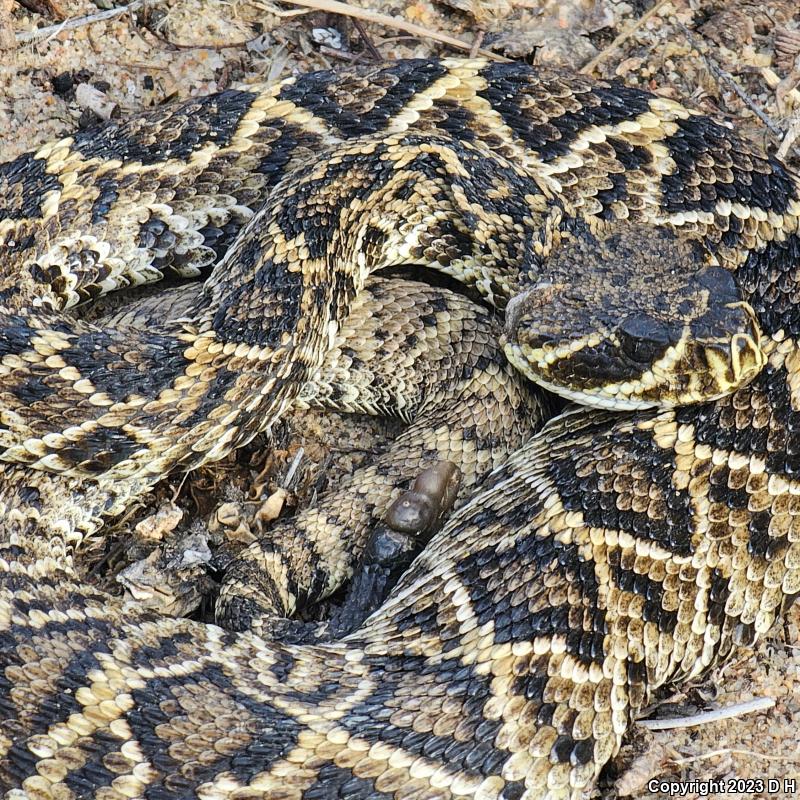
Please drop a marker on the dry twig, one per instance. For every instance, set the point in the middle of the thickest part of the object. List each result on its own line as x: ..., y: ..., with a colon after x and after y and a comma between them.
x: 25, y: 37
x: 733, y: 751
x: 785, y: 90
x: 587, y: 69
x: 362, y: 32
x: 773, y: 80
x: 290, y: 473
x: 476, y: 44
x: 336, y: 7
x: 723, y: 75
x: 706, y: 717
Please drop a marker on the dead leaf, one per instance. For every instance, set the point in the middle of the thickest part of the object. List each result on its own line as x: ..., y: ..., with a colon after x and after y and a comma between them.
x: 628, y: 65
x: 158, y: 525
x: 231, y: 520
x: 173, y: 579
x: 271, y: 508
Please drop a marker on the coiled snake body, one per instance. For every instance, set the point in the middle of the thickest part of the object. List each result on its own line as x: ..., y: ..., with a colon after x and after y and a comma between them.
x: 609, y: 555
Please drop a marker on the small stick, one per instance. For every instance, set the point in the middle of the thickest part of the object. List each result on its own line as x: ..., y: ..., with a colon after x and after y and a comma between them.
x: 24, y: 37
x: 343, y: 54
x: 706, y: 717
x: 587, y: 69
x: 287, y: 481
x: 271, y: 508
x: 773, y: 81
x: 362, y: 32
x: 179, y: 487
x: 336, y: 7
x: 394, y: 39
x: 791, y: 136
x: 729, y: 751
x: 476, y: 44
x: 107, y: 558
x: 726, y: 77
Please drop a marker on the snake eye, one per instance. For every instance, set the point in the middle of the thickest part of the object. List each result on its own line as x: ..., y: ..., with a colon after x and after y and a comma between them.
x: 644, y: 339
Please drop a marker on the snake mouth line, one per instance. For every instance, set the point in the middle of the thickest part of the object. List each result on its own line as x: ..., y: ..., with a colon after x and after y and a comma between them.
x: 721, y: 370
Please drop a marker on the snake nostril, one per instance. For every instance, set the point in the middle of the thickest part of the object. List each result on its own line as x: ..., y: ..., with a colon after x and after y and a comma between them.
x: 747, y: 358
x: 732, y: 363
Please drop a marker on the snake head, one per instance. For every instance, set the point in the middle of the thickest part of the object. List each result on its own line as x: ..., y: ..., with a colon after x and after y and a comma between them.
x: 633, y: 317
